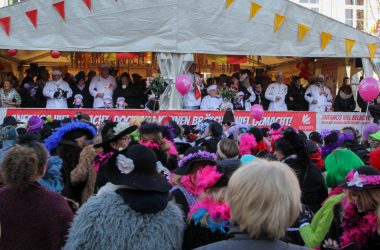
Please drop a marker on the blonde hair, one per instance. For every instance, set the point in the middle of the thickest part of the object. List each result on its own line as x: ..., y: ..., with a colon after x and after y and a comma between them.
x: 265, y: 199
x: 227, y: 149
x: 370, y: 201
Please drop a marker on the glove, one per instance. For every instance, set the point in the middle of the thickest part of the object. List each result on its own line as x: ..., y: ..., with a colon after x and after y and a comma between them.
x: 64, y: 94
x: 56, y: 94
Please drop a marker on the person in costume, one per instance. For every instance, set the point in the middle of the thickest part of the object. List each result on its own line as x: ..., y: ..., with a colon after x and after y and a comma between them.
x: 212, y: 101
x: 212, y: 135
x: 295, y: 99
x: 102, y: 85
x: 166, y: 152
x: 276, y: 94
x: 192, y: 100
x: 78, y: 101
x: 67, y: 142
x: 57, y: 91
x: 337, y: 165
x: 132, y: 211
x: 209, y: 218
x: 355, y: 223
x: 318, y: 95
x: 120, y: 103
x: 249, y: 96
x: 9, y: 97
x: 261, y: 209
x: 83, y: 89
x: 31, y: 216
x: 187, y: 178
x: 291, y: 149
x: 108, y: 102
x: 115, y: 137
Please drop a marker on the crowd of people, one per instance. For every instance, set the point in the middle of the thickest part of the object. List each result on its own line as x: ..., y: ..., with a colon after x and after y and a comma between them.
x: 111, y: 90
x: 142, y: 185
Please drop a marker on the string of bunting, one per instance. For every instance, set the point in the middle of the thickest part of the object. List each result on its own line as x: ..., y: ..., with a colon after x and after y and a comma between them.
x: 303, y: 30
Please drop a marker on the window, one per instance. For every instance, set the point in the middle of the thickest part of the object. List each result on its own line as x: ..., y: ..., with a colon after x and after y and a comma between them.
x: 309, y: 1
x: 355, y: 2
x: 354, y: 14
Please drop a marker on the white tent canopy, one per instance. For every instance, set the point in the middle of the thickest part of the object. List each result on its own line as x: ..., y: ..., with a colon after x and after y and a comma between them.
x: 179, y: 26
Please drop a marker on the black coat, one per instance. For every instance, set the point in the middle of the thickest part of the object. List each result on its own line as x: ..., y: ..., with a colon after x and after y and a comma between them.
x: 312, y: 184
x: 243, y: 89
x: 344, y: 105
x: 88, y: 99
x: 133, y: 94
x: 298, y: 103
x: 209, y: 143
x: 260, y: 99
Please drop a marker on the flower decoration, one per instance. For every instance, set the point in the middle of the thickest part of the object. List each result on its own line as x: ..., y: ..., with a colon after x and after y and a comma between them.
x: 229, y: 93
x: 199, y: 154
x: 120, y: 127
x: 355, y: 180
x: 124, y: 164
x: 156, y: 85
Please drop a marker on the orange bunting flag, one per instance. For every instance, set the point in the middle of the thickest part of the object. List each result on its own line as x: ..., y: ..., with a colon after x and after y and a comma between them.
x: 254, y: 9
x: 278, y: 21
x: 228, y: 3
x: 325, y: 39
x: 349, y: 46
x: 372, y: 47
x: 302, y: 31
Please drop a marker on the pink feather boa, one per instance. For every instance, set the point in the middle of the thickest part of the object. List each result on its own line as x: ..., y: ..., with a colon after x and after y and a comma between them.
x: 216, y: 210
x: 247, y: 144
x: 356, y: 227
x: 204, y: 179
x: 154, y: 145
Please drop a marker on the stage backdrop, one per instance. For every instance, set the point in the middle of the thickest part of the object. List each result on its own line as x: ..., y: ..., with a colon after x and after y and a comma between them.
x: 306, y: 121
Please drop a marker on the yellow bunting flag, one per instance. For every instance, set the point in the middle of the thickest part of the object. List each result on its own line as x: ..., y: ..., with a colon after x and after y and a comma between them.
x: 278, y: 21
x: 302, y: 31
x: 228, y: 3
x: 325, y: 39
x: 254, y: 9
x: 372, y: 47
x: 349, y: 46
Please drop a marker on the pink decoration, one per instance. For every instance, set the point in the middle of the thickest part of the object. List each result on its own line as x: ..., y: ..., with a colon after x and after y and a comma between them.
x: 257, y: 112
x: 183, y: 84
x: 247, y: 144
x: 12, y: 52
x: 55, y: 53
x: 217, y: 210
x: 369, y: 89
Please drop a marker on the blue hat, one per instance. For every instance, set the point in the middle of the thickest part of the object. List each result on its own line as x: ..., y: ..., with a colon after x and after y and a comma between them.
x: 245, y: 159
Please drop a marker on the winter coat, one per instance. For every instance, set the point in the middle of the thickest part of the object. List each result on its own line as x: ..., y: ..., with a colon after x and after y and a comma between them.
x: 84, y: 172
x: 344, y: 103
x: 88, y: 99
x: 312, y: 184
x: 134, y: 96
x: 33, y: 219
x: 241, y: 241
x: 298, y: 103
x: 52, y: 179
x: 107, y: 222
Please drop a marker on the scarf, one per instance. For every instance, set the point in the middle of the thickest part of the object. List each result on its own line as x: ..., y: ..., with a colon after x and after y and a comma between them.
x: 357, y: 227
x: 101, y: 159
x: 216, y: 215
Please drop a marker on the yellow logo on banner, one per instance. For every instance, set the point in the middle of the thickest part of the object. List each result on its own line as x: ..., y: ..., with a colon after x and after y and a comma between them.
x: 278, y: 21
x: 254, y: 9
x: 372, y: 47
x: 325, y: 39
x: 302, y: 31
x: 228, y: 3
x: 349, y: 46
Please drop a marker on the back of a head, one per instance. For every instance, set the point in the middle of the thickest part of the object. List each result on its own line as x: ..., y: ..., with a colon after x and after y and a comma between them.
x: 21, y: 167
x: 227, y: 149
x: 216, y: 129
x: 338, y: 164
x: 264, y: 198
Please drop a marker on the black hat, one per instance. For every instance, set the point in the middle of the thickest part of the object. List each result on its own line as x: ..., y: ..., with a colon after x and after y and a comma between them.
x: 257, y: 133
x: 136, y: 167
x: 113, y: 131
x: 227, y: 172
x: 363, y: 178
x: 149, y: 128
x: 193, y: 155
x: 10, y: 121
x: 317, y: 137
x: 311, y: 147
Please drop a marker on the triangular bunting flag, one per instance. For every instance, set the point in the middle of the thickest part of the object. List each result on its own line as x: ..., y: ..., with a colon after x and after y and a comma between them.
x: 349, y: 45
x: 325, y: 39
x: 87, y: 3
x: 32, y: 15
x: 302, y: 31
x: 254, y: 9
x: 372, y: 47
x: 278, y: 21
x: 60, y: 8
x: 6, y: 23
x: 228, y: 3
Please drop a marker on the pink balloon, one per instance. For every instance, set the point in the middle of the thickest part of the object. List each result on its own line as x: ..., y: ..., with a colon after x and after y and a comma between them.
x: 369, y: 89
x: 257, y: 112
x: 183, y: 84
